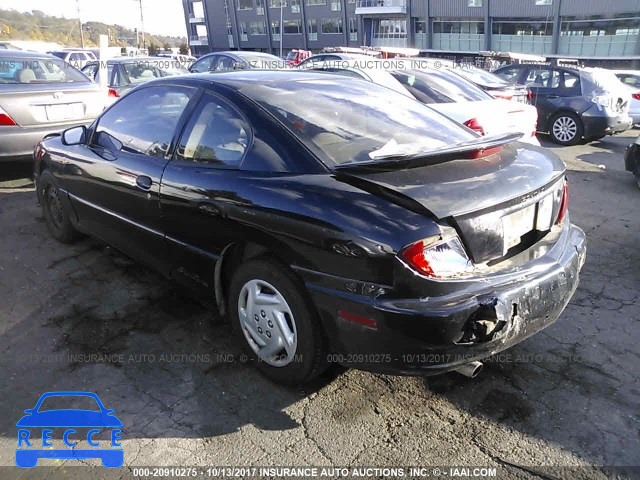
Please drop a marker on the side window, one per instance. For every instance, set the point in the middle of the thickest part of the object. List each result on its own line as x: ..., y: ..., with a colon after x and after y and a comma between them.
x: 204, y: 65
x: 538, y: 77
x: 225, y: 63
x: 216, y: 134
x: 91, y: 71
x: 76, y: 57
x: 145, y: 121
x: 570, y: 82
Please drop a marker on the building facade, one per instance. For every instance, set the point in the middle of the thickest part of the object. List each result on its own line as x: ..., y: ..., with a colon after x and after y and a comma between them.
x: 572, y: 28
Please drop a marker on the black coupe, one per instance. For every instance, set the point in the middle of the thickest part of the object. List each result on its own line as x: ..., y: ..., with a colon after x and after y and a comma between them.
x: 331, y: 219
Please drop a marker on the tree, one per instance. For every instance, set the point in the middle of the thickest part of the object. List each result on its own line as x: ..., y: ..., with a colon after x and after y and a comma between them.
x: 153, y: 49
x: 184, y: 49
x: 166, y: 46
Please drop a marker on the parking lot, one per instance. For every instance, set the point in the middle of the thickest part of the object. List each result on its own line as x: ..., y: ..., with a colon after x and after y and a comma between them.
x: 84, y: 317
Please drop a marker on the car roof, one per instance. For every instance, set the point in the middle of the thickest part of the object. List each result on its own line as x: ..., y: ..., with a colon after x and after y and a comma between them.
x: 131, y: 60
x: 25, y: 54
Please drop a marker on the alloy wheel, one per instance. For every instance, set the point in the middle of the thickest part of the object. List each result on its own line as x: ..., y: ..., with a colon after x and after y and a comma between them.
x: 267, y: 323
x: 565, y: 129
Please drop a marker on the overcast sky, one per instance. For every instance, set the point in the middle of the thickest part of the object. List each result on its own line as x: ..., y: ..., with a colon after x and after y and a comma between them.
x: 160, y: 16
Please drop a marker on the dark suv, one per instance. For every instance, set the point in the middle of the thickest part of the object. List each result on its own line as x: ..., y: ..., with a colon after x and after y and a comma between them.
x: 573, y: 103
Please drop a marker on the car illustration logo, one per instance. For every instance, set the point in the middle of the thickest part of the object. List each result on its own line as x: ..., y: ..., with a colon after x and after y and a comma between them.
x: 96, y: 419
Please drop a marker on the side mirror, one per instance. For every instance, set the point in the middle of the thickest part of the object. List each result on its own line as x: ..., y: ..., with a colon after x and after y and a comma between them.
x: 74, y: 136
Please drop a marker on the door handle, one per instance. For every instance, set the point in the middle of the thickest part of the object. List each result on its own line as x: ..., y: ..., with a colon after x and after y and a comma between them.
x: 143, y: 182
x: 552, y: 96
x: 209, y: 209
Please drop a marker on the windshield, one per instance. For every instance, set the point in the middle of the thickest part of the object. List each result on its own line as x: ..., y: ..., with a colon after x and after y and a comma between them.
x: 38, y: 70
x: 480, y: 77
x: 353, y: 121
x: 291, y: 56
x: 439, y: 87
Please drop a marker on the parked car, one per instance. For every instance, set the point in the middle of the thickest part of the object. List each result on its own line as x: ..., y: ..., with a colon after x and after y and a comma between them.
x: 125, y: 73
x: 318, y: 59
x: 494, y: 85
x: 634, y: 105
x: 236, y: 60
x: 447, y: 93
x: 357, y: 222
x: 629, y: 77
x: 573, y: 103
x: 296, y: 56
x: 182, y: 61
x: 632, y: 159
x: 41, y: 94
x: 77, y: 58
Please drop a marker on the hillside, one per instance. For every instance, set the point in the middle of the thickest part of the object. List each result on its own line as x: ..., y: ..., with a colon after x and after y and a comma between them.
x: 36, y: 25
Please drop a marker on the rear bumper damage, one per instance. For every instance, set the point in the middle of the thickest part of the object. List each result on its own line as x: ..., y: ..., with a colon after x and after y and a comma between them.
x: 429, y: 335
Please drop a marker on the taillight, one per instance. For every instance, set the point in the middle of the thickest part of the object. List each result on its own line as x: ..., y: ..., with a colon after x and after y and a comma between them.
x: 6, y: 120
x: 636, y: 96
x: 113, y: 93
x: 529, y: 95
x: 438, y: 258
x: 564, y: 203
x: 474, y: 125
x: 506, y: 97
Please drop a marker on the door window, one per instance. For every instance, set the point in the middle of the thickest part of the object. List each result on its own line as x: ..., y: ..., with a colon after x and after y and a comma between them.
x: 216, y: 134
x: 225, y: 63
x: 144, y: 122
x: 511, y: 74
x: 538, y: 77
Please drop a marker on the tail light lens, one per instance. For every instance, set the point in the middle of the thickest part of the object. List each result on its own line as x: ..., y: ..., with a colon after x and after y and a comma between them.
x: 474, y: 125
x: 564, y: 203
x: 506, y: 97
x: 529, y: 95
x: 113, y: 93
x: 603, y: 100
x: 6, y: 120
x: 636, y: 96
x: 438, y: 259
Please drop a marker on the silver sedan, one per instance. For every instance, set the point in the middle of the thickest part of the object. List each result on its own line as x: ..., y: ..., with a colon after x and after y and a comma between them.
x: 41, y: 94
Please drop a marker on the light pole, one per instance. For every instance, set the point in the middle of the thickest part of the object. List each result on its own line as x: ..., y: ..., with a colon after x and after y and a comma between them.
x: 144, y: 41
x: 80, y: 22
x: 281, y: 26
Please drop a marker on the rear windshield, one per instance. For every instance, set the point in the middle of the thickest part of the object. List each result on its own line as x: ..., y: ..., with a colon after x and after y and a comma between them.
x: 440, y: 87
x: 38, y: 70
x: 353, y: 121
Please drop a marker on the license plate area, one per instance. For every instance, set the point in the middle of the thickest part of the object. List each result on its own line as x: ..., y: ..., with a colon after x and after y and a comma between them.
x: 65, y: 111
x: 536, y: 216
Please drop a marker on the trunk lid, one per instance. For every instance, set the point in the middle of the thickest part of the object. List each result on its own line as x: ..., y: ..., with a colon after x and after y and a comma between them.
x: 35, y: 104
x: 492, y: 201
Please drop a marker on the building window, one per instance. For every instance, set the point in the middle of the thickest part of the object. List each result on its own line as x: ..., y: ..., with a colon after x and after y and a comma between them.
x: 295, y: 6
x: 420, y: 27
x: 277, y: 3
x: 523, y: 26
x: 312, y: 28
x: 336, y: 5
x: 245, y: 4
x: 544, y: 2
x: 331, y: 25
x: 258, y: 28
x: 275, y: 27
x: 260, y: 7
x: 390, y: 28
x: 456, y: 26
x: 475, y: 3
x: 353, y: 30
x: 316, y: 2
x: 591, y: 36
x: 243, y: 32
x: 292, y: 27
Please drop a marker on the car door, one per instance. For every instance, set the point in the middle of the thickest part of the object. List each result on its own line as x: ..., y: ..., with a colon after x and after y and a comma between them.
x: 198, y: 185
x: 539, y: 80
x: 114, y: 184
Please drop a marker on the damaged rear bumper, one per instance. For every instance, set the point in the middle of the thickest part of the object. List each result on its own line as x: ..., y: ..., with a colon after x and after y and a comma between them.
x: 425, y: 336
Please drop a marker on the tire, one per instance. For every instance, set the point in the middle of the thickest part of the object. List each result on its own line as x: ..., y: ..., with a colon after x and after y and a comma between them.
x: 54, y: 210
x: 280, y: 333
x: 566, y: 128
x: 638, y: 179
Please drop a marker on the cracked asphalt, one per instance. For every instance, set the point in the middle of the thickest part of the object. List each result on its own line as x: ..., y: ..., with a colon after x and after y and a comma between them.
x: 559, y: 403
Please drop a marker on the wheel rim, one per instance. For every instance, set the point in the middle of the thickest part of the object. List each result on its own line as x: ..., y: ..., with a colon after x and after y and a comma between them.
x: 55, y: 207
x: 565, y: 129
x: 267, y: 323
